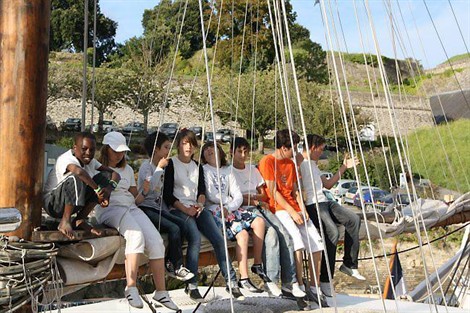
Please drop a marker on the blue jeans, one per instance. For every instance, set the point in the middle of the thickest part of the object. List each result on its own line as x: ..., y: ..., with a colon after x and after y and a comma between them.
x: 206, y: 225
x: 278, y: 250
x: 168, y: 223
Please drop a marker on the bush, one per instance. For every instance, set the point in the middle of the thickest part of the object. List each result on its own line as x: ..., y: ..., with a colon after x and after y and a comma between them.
x: 66, y: 142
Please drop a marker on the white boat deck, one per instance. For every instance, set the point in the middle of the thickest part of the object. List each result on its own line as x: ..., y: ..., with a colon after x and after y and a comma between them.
x: 220, y: 302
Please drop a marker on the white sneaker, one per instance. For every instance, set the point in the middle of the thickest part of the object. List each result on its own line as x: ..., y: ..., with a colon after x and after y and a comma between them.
x: 163, y: 298
x: 353, y: 272
x: 133, y: 297
x: 272, y: 289
x: 357, y: 275
x: 326, y: 289
x: 183, y: 274
x: 296, y: 291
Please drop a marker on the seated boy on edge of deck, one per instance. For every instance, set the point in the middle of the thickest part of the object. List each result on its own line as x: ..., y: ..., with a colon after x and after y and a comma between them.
x: 75, y: 186
x: 279, y: 172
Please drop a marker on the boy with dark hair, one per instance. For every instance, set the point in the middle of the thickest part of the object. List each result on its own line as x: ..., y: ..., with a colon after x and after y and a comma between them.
x: 75, y: 186
x: 279, y: 172
x: 331, y: 213
x: 278, y: 247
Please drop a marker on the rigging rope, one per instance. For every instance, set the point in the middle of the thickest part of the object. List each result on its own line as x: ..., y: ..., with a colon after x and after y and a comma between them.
x: 217, y: 161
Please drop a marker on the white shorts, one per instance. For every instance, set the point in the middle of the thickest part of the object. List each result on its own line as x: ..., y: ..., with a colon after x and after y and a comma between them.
x: 301, y: 235
x: 134, y: 225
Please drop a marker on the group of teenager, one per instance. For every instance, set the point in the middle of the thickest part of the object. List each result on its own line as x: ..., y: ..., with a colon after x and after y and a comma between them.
x: 187, y: 198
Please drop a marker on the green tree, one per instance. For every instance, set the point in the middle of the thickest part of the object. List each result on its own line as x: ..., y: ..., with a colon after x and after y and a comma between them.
x: 256, y: 31
x: 264, y: 110
x: 310, y: 63
x: 148, y: 78
x: 110, y: 90
x: 67, y: 25
x: 162, y: 25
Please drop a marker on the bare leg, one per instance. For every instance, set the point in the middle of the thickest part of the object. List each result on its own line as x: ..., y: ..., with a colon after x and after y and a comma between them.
x: 132, y: 267
x: 298, y: 265
x: 315, y: 263
x: 258, y: 227
x: 158, y: 270
x: 242, y: 253
x: 65, y: 227
x: 81, y: 223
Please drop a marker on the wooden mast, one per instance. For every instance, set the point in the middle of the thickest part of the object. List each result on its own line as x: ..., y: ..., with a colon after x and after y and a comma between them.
x: 24, y: 49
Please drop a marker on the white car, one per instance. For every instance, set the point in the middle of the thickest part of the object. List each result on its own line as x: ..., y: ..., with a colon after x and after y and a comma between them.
x: 353, y: 191
x: 108, y: 126
x: 342, y: 186
x: 329, y: 195
x: 328, y: 175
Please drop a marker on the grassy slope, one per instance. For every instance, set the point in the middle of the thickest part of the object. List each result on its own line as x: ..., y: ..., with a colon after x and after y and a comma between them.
x: 456, y: 58
x: 438, y: 169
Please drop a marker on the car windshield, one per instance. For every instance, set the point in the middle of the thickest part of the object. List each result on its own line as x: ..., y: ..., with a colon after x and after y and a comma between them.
x: 107, y: 123
x: 72, y: 120
x: 403, y: 199
x: 386, y: 199
x: 352, y: 189
x: 328, y: 195
x: 378, y: 193
x: 170, y: 125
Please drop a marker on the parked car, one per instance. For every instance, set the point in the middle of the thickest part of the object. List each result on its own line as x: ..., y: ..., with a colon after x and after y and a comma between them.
x: 197, y: 130
x: 133, y: 127
x: 224, y: 135
x: 393, y: 201
x: 342, y: 186
x: 329, y: 195
x: 208, y: 136
x: 108, y: 126
x: 367, y: 196
x: 72, y: 124
x: 326, y: 174
x: 354, y: 191
x: 169, y: 129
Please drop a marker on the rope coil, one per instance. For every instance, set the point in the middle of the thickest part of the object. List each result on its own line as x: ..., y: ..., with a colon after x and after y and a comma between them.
x: 27, y: 270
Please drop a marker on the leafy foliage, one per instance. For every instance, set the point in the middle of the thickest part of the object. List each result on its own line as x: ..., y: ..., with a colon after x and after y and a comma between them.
x: 67, y: 25
x: 163, y: 23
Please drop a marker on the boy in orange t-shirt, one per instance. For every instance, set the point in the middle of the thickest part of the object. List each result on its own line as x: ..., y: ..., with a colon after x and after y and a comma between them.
x: 278, y: 170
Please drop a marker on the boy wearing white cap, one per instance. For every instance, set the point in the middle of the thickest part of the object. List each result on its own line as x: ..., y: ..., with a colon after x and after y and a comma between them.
x: 75, y: 186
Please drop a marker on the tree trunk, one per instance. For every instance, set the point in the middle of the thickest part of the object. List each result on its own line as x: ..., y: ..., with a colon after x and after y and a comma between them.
x: 261, y: 144
x: 100, y: 121
x: 146, y: 120
x: 24, y: 52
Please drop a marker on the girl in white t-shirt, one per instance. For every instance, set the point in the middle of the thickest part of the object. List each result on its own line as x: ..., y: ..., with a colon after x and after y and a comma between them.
x: 184, y: 192
x: 139, y: 232
x: 222, y: 188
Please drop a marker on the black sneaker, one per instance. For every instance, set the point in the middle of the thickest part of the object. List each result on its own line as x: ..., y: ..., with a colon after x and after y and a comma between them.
x: 169, y: 268
x: 259, y: 270
x: 313, y: 297
x: 236, y: 293
x: 194, y: 294
x: 248, y: 285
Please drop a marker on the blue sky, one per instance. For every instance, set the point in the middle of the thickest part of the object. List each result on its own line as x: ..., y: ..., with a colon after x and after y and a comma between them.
x: 128, y: 14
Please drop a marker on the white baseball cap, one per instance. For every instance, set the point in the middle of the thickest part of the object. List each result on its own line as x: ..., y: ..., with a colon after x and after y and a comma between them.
x: 116, y: 141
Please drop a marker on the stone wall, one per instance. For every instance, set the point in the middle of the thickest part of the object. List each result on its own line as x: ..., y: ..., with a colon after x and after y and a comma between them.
x: 402, y: 114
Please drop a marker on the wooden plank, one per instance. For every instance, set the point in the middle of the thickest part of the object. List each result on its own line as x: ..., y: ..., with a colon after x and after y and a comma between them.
x: 57, y: 236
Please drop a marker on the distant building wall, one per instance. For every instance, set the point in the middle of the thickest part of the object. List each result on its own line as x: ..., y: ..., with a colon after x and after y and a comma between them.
x: 451, y: 105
